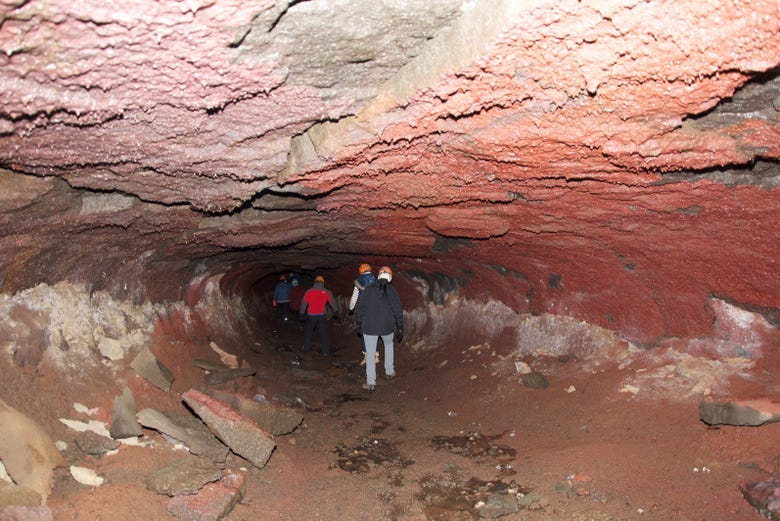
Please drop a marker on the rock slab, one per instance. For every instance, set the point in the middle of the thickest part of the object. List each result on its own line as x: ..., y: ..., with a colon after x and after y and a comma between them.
x: 94, y: 444
x: 212, y: 503
x: 242, y: 435
x: 750, y: 412
x: 184, y: 476
x: 187, y: 429
x: 123, y: 421
x: 275, y: 420
x: 147, y: 365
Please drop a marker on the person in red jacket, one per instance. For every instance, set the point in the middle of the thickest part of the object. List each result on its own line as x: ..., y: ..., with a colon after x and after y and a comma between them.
x: 313, y: 307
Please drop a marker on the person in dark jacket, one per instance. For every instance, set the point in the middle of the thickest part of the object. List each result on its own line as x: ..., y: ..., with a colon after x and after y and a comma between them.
x: 281, y: 300
x: 313, y: 308
x: 378, y: 313
x: 365, y: 279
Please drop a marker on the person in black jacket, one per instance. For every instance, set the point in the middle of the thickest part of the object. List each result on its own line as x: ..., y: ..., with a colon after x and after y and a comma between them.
x: 378, y: 313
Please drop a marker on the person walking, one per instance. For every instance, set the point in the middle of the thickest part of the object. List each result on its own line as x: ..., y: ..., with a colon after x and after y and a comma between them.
x: 281, y: 300
x: 313, y: 308
x: 365, y: 279
x: 378, y: 312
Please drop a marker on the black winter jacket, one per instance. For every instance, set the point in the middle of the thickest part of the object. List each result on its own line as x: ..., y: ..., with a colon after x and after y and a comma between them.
x: 378, y: 309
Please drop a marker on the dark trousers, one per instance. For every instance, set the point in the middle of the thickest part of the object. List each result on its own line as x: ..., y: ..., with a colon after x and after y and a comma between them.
x: 283, y: 309
x: 321, y: 324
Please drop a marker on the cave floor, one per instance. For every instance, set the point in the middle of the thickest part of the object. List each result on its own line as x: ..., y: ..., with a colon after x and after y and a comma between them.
x: 450, y: 432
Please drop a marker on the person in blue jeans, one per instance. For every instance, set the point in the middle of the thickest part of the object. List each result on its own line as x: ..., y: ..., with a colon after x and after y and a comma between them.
x: 365, y: 279
x: 379, y: 313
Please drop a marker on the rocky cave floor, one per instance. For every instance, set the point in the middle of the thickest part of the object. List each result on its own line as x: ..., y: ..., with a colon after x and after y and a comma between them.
x: 451, y: 438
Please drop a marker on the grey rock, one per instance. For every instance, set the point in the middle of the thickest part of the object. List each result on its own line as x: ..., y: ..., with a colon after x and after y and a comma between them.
x: 275, y: 420
x: 535, y: 380
x: 499, y: 505
x: 242, y: 435
x: 123, y: 421
x: 187, y: 429
x: 226, y: 375
x: 754, y: 412
x: 147, y: 365
x: 208, y: 365
x: 95, y: 444
x: 184, y: 476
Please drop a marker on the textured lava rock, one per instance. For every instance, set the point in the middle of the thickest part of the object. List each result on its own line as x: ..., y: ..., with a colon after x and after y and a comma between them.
x: 617, y: 160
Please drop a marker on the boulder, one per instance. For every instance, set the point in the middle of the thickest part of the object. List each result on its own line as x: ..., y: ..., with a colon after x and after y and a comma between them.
x: 27, y: 451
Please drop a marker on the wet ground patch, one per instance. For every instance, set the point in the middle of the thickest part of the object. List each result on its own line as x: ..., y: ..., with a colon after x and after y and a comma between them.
x: 450, y: 497
x: 367, y: 453
x: 474, y: 445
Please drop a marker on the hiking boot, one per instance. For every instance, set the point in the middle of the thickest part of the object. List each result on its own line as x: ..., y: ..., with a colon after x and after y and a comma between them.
x: 390, y: 376
x: 368, y: 387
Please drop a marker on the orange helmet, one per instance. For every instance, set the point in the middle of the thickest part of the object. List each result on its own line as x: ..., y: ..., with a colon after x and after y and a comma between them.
x: 385, y: 273
x: 319, y: 278
x: 364, y: 268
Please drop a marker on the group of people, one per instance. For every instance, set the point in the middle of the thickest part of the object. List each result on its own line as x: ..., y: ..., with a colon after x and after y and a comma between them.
x: 376, y: 307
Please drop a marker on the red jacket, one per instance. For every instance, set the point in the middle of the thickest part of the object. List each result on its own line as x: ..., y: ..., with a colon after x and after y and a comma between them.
x: 315, y: 299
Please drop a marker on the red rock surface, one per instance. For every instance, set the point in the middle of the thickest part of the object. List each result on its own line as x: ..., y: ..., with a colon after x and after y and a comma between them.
x: 620, y: 158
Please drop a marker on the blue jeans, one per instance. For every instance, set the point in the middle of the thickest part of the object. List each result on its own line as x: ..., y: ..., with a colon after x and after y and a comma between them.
x: 371, y: 345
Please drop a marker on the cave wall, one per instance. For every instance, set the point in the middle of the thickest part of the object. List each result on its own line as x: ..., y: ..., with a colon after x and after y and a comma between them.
x: 616, y: 162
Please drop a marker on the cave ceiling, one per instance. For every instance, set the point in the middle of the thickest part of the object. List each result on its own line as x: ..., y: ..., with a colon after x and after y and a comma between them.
x: 625, y: 149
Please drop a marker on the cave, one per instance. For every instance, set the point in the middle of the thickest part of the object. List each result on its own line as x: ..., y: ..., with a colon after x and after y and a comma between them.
x: 579, y: 203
